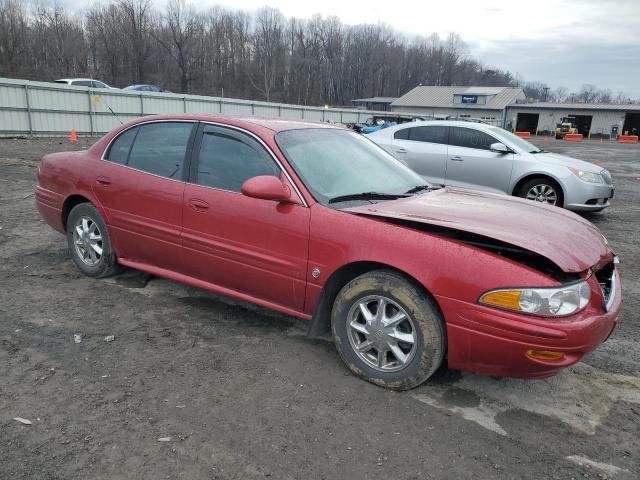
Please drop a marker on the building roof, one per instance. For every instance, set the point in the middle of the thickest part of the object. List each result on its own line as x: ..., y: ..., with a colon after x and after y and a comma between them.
x: 375, y: 100
x: 624, y: 107
x: 431, y: 96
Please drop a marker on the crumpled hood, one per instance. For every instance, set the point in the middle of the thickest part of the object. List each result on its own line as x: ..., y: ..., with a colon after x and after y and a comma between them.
x: 563, y: 237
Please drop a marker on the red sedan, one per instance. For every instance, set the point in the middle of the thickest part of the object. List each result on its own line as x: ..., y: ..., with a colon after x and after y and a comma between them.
x: 317, y: 222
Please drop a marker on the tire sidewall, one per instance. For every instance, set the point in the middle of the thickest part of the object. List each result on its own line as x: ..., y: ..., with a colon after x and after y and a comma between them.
x: 107, y: 262
x: 427, y: 322
x: 522, y: 192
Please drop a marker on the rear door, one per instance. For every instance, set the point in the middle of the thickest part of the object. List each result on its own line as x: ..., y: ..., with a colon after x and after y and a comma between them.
x: 471, y: 163
x: 251, y: 246
x: 424, y: 150
x: 141, y: 185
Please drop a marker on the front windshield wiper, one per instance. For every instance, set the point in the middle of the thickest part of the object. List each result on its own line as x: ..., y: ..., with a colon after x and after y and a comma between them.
x: 538, y: 151
x: 420, y: 188
x: 367, y: 196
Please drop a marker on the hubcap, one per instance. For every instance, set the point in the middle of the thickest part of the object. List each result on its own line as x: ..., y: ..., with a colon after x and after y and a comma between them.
x: 543, y: 193
x: 381, y: 333
x: 88, y: 241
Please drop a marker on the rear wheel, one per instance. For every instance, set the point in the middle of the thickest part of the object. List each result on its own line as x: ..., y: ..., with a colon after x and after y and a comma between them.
x: 543, y: 190
x: 387, y: 330
x: 89, y: 242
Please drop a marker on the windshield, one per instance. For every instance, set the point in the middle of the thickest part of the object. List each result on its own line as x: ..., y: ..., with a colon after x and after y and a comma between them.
x: 334, y: 163
x: 515, y: 141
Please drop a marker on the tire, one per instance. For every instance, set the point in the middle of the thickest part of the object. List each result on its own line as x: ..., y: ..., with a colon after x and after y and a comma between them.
x: 423, y: 323
x: 87, y: 235
x: 542, y: 185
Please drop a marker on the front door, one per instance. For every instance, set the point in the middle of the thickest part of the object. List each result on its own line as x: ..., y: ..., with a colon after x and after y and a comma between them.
x: 255, y: 247
x: 471, y: 163
x: 140, y: 184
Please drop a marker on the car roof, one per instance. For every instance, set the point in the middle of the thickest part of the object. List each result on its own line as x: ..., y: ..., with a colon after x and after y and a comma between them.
x: 248, y: 122
x: 447, y: 123
x: 76, y: 79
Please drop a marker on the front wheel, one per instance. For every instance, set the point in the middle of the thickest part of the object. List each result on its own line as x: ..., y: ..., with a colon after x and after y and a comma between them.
x: 388, y: 331
x: 543, y: 190
x: 89, y: 242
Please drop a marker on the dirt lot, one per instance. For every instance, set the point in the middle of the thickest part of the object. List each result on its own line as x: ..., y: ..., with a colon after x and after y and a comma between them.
x: 240, y: 393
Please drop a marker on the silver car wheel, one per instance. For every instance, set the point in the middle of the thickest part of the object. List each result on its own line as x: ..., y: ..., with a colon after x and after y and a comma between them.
x: 87, y: 240
x: 381, y: 333
x: 542, y: 193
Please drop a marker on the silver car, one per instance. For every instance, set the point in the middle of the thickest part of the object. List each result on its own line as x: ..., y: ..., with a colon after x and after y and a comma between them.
x: 484, y: 157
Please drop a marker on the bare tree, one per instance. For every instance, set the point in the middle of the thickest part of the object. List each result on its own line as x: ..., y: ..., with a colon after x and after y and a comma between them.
x: 268, y: 45
x: 13, y: 32
x: 178, y: 38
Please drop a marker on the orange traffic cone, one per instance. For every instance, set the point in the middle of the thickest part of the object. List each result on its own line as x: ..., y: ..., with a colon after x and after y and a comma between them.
x: 74, y: 136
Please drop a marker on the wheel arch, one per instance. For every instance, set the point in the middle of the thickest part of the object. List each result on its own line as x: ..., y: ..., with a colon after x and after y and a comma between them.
x: 320, y: 325
x: 531, y: 176
x: 70, y: 202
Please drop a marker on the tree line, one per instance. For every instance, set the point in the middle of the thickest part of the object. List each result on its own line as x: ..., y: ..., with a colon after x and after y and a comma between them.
x: 260, y: 55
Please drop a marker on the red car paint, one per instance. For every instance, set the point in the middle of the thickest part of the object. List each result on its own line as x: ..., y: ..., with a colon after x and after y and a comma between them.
x: 264, y: 251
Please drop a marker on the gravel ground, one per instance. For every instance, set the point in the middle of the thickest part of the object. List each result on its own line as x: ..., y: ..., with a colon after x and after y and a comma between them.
x: 201, y: 387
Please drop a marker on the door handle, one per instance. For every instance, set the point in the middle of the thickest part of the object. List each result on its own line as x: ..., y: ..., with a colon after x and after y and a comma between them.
x: 401, y: 150
x: 104, y: 181
x: 198, y: 205
x: 457, y: 159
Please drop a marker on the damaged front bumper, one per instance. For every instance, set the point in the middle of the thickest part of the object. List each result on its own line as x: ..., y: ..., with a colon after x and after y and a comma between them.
x: 493, y: 342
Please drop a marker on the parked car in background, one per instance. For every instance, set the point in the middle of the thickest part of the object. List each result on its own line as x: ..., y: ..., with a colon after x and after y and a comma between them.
x: 484, y: 157
x: 317, y: 222
x: 146, y: 88
x: 83, y: 82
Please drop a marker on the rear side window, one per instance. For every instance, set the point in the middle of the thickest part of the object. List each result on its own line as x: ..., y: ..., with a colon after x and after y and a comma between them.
x: 157, y: 148
x: 82, y: 83
x: 119, y: 150
x: 434, y: 134
x: 228, y: 159
x: 470, y: 138
x: 160, y: 148
x: 402, y: 134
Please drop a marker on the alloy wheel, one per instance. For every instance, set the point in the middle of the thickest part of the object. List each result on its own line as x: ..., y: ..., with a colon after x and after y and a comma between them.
x: 381, y: 333
x: 542, y: 193
x: 87, y: 240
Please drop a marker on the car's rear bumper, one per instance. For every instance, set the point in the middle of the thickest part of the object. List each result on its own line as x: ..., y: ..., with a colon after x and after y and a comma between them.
x: 49, y: 205
x: 489, y: 341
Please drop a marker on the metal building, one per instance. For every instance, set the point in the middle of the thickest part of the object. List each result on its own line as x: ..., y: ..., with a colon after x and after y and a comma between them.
x: 591, y: 120
x: 482, y: 103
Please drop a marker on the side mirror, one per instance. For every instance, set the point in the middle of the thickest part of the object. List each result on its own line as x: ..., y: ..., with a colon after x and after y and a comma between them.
x: 266, y: 187
x: 500, y: 148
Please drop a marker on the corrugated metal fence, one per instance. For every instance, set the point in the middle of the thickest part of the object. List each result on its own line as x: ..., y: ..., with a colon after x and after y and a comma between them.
x: 40, y: 108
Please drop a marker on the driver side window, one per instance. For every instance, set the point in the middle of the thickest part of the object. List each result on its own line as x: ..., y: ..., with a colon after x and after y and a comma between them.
x: 228, y: 158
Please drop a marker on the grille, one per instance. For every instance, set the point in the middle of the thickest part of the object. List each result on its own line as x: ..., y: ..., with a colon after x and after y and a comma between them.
x: 607, y: 177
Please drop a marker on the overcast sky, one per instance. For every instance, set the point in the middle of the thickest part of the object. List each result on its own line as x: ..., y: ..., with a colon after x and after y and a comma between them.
x: 560, y: 42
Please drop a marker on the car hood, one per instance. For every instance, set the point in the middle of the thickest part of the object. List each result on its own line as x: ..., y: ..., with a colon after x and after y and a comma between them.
x: 564, y: 161
x: 563, y: 237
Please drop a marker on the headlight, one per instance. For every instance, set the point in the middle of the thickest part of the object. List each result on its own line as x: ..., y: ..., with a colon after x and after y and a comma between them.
x: 587, y: 176
x: 542, y: 302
